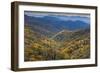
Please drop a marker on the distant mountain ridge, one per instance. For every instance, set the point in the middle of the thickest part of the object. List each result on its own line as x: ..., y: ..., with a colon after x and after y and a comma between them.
x: 54, y: 24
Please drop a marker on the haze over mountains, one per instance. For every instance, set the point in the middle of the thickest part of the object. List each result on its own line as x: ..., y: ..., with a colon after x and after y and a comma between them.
x: 54, y: 37
x: 57, y: 23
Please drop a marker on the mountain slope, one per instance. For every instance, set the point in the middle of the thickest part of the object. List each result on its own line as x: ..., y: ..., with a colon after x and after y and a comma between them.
x: 39, y: 47
x: 66, y: 35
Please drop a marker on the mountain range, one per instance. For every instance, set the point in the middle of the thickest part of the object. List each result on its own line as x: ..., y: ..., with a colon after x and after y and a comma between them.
x: 53, y: 24
x: 52, y: 38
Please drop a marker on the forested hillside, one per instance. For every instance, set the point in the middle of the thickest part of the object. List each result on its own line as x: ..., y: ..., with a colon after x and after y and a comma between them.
x: 65, y: 45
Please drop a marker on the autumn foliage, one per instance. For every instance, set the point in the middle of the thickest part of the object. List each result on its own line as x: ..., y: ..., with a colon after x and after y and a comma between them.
x: 39, y: 47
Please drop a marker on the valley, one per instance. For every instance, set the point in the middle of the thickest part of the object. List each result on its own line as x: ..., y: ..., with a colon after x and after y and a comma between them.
x: 63, y: 45
x: 50, y: 38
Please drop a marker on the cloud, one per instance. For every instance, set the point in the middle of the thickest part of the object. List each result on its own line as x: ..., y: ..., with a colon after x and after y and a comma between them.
x: 34, y: 14
x: 75, y: 18
x: 62, y: 16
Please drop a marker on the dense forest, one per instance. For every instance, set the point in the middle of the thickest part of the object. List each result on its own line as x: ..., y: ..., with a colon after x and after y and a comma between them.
x: 64, y: 45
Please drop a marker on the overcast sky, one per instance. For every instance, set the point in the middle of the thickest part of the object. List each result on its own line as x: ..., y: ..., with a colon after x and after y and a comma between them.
x: 31, y: 13
x: 62, y: 16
